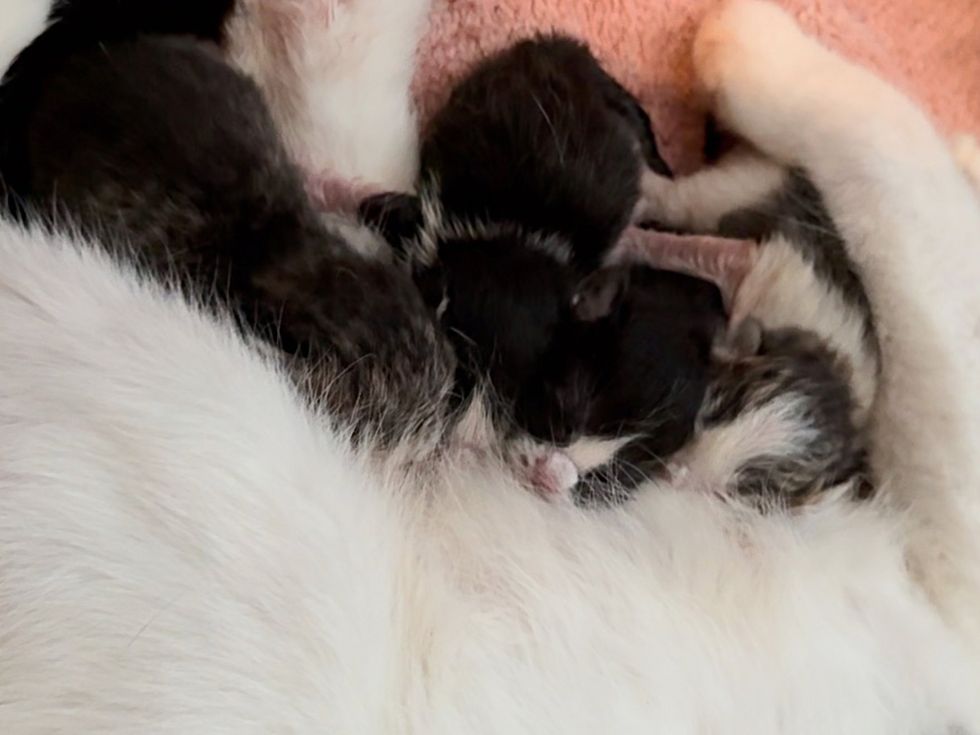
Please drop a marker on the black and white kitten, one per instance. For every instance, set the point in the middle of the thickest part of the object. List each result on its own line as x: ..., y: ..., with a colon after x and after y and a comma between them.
x: 540, y: 134
x: 789, y: 422
x: 531, y: 173
x: 144, y: 137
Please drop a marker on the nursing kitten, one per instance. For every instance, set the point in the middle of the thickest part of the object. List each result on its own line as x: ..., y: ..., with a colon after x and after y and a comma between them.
x: 152, y: 143
x: 185, y: 549
x: 518, y: 149
x: 530, y: 174
x: 540, y: 134
x: 790, y: 422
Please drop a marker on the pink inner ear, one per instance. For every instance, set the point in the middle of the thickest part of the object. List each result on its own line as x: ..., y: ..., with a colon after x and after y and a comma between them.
x: 335, y: 194
x: 723, y: 261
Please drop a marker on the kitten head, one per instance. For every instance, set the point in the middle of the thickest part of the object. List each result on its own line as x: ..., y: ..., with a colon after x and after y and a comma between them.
x: 663, y: 329
x: 504, y: 297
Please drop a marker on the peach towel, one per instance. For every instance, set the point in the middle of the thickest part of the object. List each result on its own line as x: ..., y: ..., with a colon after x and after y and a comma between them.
x: 930, y: 48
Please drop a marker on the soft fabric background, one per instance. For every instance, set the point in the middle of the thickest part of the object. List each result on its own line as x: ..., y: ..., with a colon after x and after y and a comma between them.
x: 930, y: 48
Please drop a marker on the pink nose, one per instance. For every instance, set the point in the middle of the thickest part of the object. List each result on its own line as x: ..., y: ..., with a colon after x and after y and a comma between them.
x: 553, y: 474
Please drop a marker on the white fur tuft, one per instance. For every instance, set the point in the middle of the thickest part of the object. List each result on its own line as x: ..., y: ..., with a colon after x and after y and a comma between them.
x: 21, y: 21
x: 337, y: 74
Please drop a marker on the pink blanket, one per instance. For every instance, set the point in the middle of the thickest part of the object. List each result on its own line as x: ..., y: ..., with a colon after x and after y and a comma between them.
x: 931, y: 48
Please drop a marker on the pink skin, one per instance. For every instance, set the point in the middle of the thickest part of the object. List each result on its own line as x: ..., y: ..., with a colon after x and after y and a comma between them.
x: 334, y: 194
x: 721, y: 260
x: 550, y: 473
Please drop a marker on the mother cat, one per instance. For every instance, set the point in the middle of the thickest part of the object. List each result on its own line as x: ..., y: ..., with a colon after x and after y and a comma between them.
x: 184, y: 548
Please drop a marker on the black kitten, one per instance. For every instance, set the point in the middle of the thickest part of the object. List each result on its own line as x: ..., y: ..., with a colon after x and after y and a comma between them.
x: 76, y: 26
x: 542, y: 135
x: 163, y: 152
x: 531, y: 173
x: 660, y: 331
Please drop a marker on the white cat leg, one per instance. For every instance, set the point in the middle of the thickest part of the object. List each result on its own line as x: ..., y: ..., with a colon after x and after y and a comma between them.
x: 886, y: 173
x: 337, y: 74
x: 912, y: 226
x: 741, y: 180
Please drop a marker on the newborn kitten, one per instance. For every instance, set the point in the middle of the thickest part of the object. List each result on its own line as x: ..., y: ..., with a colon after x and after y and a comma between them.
x: 540, y: 134
x: 539, y: 139
x: 789, y: 424
x: 156, y: 146
x: 660, y: 334
x: 530, y: 173
x: 556, y: 370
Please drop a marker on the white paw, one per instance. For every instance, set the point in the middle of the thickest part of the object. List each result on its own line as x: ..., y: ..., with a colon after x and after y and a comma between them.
x: 745, y: 35
x: 654, y: 190
x: 749, y: 55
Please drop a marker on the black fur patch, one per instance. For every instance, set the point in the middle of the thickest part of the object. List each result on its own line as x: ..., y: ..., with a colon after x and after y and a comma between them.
x: 169, y: 156
x: 541, y: 135
x: 78, y: 26
x: 653, y: 375
x: 794, y: 366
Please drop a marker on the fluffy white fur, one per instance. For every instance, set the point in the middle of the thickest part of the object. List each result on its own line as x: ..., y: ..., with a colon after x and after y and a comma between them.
x: 699, y: 201
x: 21, y: 21
x: 967, y: 151
x: 186, y: 548
x: 337, y: 74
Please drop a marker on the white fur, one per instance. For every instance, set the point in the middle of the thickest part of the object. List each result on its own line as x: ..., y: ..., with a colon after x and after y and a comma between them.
x: 776, y: 429
x: 913, y: 227
x: 337, y: 74
x: 782, y: 290
x: 21, y: 21
x: 967, y: 151
x: 185, y: 548
x: 698, y: 202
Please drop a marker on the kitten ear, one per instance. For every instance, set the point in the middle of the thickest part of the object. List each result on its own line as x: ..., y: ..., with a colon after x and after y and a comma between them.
x: 738, y: 340
x: 396, y: 215
x: 599, y: 294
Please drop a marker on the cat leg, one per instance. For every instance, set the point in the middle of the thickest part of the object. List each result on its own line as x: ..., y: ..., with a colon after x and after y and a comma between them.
x: 741, y: 181
x: 888, y: 177
x: 911, y: 225
x: 337, y: 74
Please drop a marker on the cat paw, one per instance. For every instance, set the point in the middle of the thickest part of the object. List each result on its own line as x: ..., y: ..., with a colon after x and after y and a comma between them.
x: 749, y: 56
x: 745, y: 36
